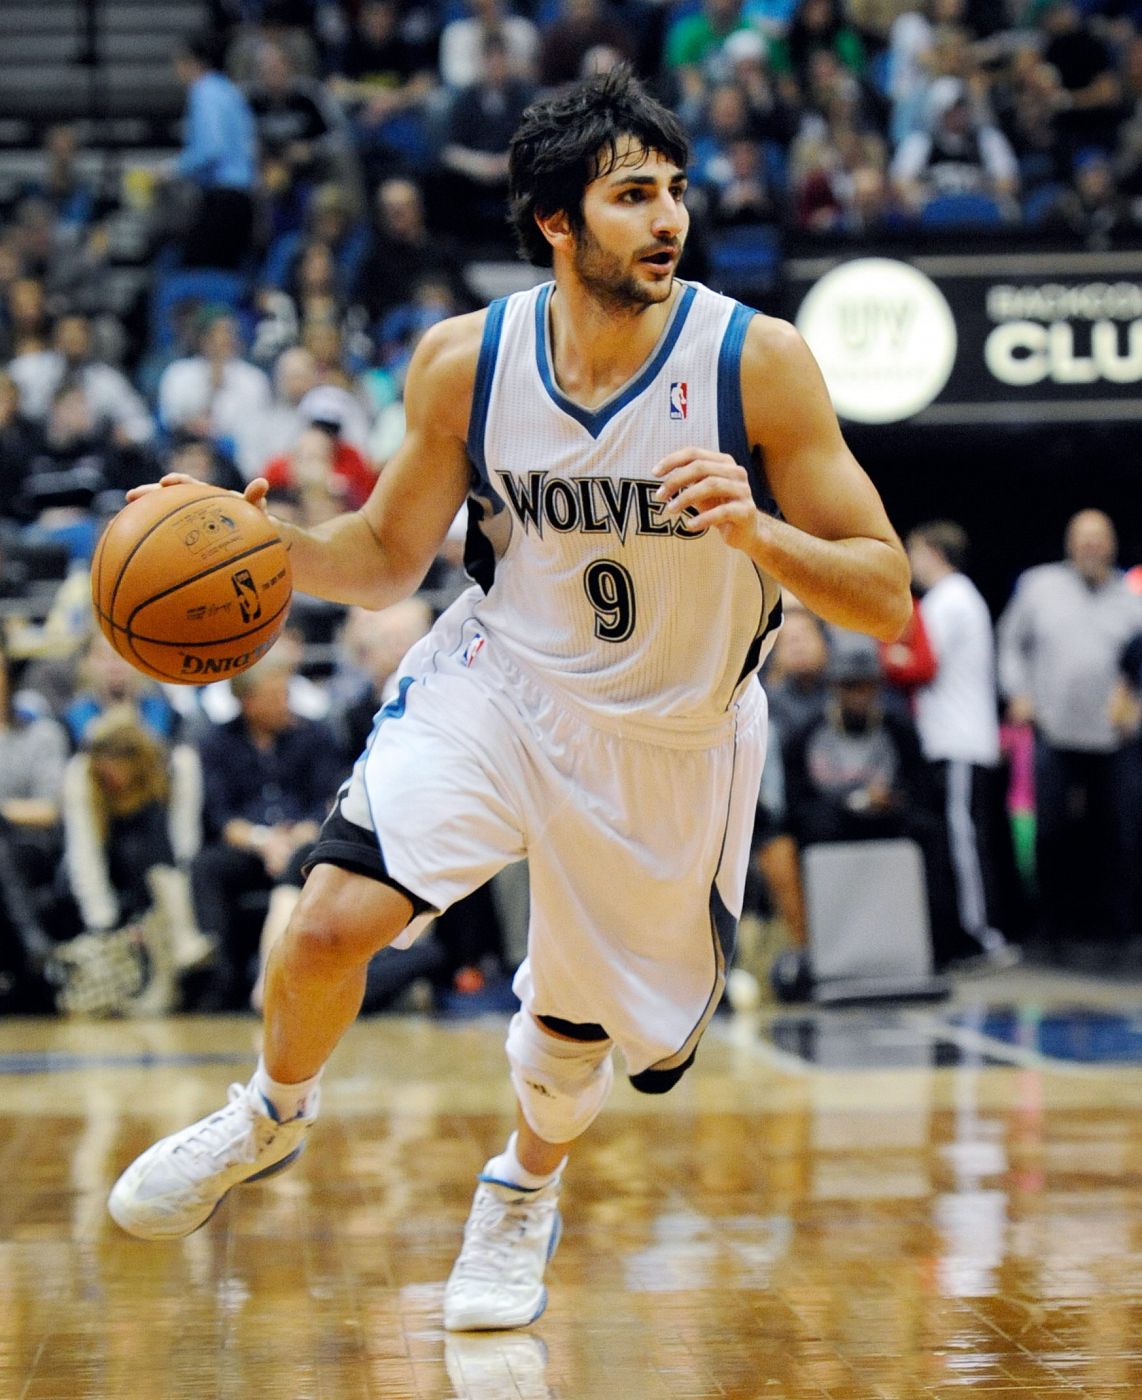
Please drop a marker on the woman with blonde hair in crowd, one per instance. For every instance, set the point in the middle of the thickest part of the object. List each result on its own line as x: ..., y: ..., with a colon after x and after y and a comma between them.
x: 132, y: 822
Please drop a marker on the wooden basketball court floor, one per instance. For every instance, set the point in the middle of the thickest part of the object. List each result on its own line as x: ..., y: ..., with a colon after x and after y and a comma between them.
x: 876, y: 1204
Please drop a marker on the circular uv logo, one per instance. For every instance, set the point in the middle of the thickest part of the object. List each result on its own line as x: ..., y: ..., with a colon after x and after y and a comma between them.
x: 884, y: 336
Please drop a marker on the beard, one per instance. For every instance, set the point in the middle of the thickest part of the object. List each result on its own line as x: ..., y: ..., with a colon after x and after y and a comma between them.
x: 614, y: 286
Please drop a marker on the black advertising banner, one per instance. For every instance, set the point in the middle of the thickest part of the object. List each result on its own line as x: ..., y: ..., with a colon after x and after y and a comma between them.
x: 987, y: 338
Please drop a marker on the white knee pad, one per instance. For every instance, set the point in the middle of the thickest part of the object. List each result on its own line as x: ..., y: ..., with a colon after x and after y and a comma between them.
x: 561, y: 1084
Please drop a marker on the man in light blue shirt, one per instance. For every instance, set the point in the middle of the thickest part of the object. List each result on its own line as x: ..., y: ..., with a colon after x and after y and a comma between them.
x: 219, y: 159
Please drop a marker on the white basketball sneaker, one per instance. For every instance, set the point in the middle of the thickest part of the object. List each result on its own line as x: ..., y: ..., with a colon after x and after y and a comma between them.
x: 178, y: 1184
x: 497, y: 1280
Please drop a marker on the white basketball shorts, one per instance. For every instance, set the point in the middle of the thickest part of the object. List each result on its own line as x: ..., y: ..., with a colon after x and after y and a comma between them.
x: 637, y: 839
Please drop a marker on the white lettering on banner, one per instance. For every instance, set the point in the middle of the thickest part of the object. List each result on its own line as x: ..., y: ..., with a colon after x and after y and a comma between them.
x: 1053, y: 301
x: 1022, y: 353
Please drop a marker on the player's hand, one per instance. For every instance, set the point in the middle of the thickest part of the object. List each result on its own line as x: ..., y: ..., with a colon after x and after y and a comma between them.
x: 255, y: 491
x: 713, y: 485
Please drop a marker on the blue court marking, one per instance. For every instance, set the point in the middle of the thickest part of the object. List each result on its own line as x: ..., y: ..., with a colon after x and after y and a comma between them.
x: 1079, y: 1034
x: 65, y: 1062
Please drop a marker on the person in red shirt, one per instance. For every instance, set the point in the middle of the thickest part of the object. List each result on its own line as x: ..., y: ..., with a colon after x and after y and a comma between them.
x: 321, y: 457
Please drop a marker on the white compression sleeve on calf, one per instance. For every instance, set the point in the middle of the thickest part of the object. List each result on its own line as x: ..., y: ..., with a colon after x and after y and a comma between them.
x: 561, y: 1084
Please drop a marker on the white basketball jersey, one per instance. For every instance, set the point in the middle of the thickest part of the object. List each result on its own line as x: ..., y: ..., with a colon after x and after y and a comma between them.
x: 586, y: 581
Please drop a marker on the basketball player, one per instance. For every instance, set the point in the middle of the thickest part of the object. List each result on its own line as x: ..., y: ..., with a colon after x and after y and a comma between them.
x: 590, y: 703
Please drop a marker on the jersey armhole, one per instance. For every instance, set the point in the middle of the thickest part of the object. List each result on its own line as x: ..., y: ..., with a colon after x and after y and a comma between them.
x: 482, y: 396
x: 732, y: 434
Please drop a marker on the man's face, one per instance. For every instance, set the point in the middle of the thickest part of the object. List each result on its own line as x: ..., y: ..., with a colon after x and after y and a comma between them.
x: 634, y: 226
x: 266, y: 706
x: 1091, y: 544
x: 73, y: 339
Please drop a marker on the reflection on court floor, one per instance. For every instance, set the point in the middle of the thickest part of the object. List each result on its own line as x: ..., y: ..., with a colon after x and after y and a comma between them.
x: 893, y: 1203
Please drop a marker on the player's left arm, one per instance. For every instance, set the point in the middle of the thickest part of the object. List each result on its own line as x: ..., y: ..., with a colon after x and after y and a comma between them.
x: 835, y: 549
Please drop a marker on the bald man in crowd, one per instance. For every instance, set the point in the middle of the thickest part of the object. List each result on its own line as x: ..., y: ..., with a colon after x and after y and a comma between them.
x: 1060, y: 641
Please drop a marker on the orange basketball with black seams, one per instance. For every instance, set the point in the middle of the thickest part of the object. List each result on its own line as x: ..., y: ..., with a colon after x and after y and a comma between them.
x: 191, y: 583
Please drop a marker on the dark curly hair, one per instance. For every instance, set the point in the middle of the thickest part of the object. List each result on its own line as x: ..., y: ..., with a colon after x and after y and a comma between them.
x: 565, y: 141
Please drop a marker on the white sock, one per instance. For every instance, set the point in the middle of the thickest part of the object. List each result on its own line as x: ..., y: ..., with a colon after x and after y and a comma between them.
x: 288, y: 1100
x: 508, y: 1168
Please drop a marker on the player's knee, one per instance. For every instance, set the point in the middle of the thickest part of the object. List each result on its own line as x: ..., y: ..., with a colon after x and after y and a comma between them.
x: 561, y: 1084
x: 330, y: 937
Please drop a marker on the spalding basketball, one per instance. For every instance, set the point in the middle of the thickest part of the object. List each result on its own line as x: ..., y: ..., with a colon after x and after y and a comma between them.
x: 191, y: 583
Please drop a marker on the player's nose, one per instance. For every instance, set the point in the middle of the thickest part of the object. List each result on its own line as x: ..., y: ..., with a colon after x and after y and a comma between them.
x: 669, y: 215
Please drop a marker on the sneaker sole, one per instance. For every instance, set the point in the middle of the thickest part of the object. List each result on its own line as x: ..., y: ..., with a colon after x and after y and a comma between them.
x: 263, y: 1175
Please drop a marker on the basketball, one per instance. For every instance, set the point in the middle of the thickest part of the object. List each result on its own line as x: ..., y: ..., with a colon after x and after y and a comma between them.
x: 191, y: 583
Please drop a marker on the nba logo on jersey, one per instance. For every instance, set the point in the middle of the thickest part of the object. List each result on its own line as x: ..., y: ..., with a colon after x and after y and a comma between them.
x: 473, y: 649
x: 678, y: 399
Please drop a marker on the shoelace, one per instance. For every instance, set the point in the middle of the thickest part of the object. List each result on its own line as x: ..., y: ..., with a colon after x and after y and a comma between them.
x: 495, y: 1227
x: 220, y: 1131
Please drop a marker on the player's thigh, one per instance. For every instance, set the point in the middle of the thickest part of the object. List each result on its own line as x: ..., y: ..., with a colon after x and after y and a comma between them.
x: 344, y: 918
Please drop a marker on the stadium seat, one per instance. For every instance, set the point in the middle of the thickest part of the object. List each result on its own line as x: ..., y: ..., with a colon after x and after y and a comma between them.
x: 1039, y: 203
x: 961, y: 211
x: 745, y: 261
x: 206, y: 286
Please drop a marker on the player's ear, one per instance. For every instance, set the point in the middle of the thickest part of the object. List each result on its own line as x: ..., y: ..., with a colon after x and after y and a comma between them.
x: 556, y: 228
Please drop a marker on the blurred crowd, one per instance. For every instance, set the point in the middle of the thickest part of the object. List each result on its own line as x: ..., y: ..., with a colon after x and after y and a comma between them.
x: 248, y: 305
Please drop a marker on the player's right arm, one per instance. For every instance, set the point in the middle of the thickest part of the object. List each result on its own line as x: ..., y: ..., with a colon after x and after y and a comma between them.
x: 379, y: 554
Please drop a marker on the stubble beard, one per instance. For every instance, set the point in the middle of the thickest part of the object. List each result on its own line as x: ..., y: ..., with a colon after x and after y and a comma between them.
x: 618, y: 291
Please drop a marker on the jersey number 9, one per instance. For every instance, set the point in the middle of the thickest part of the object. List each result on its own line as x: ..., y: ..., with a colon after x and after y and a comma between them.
x: 610, y: 591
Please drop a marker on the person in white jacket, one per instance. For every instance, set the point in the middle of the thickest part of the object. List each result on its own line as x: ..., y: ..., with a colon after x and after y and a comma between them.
x: 132, y: 821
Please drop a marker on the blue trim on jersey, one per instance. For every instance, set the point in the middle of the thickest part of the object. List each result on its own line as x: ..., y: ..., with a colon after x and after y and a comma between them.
x: 732, y: 435
x: 394, y: 708
x: 595, y: 420
x: 482, y: 396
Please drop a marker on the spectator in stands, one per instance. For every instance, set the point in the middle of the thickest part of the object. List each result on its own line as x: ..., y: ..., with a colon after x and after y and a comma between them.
x: 384, y: 75
x: 76, y: 458
x: 402, y: 251
x: 246, y: 25
x: 331, y: 220
x: 1092, y: 207
x: 268, y: 432
x: 580, y: 26
x: 1028, y: 100
x: 464, y: 54
x: 297, y: 123
x: 198, y: 456
x: 474, y: 157
x: 215, y: 392
x: 325, y: 475
x: 132, y: 825
x: 817, y: 25
x: 218, y: 163
x: 26, y: 316
x: 958, y: 722
x: 961, y: 152
x: 268, y: 778
x: 1128, y: 147
x: 33, y: 751
x: 430, y: 301
x: 18, y: 443
x: 104, y: 681
x: 797, y: 691
x: 111, y: 399
x: 1090, y: 88
x: 1060, y: 640
x: 338, y: 358
x: 693, y: 51
x: 857, y: 774
x: 61, y: 184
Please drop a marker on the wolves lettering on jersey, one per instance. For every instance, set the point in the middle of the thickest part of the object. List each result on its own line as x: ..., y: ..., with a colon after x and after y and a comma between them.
x: 594, y: 505
x: 586, y: 581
